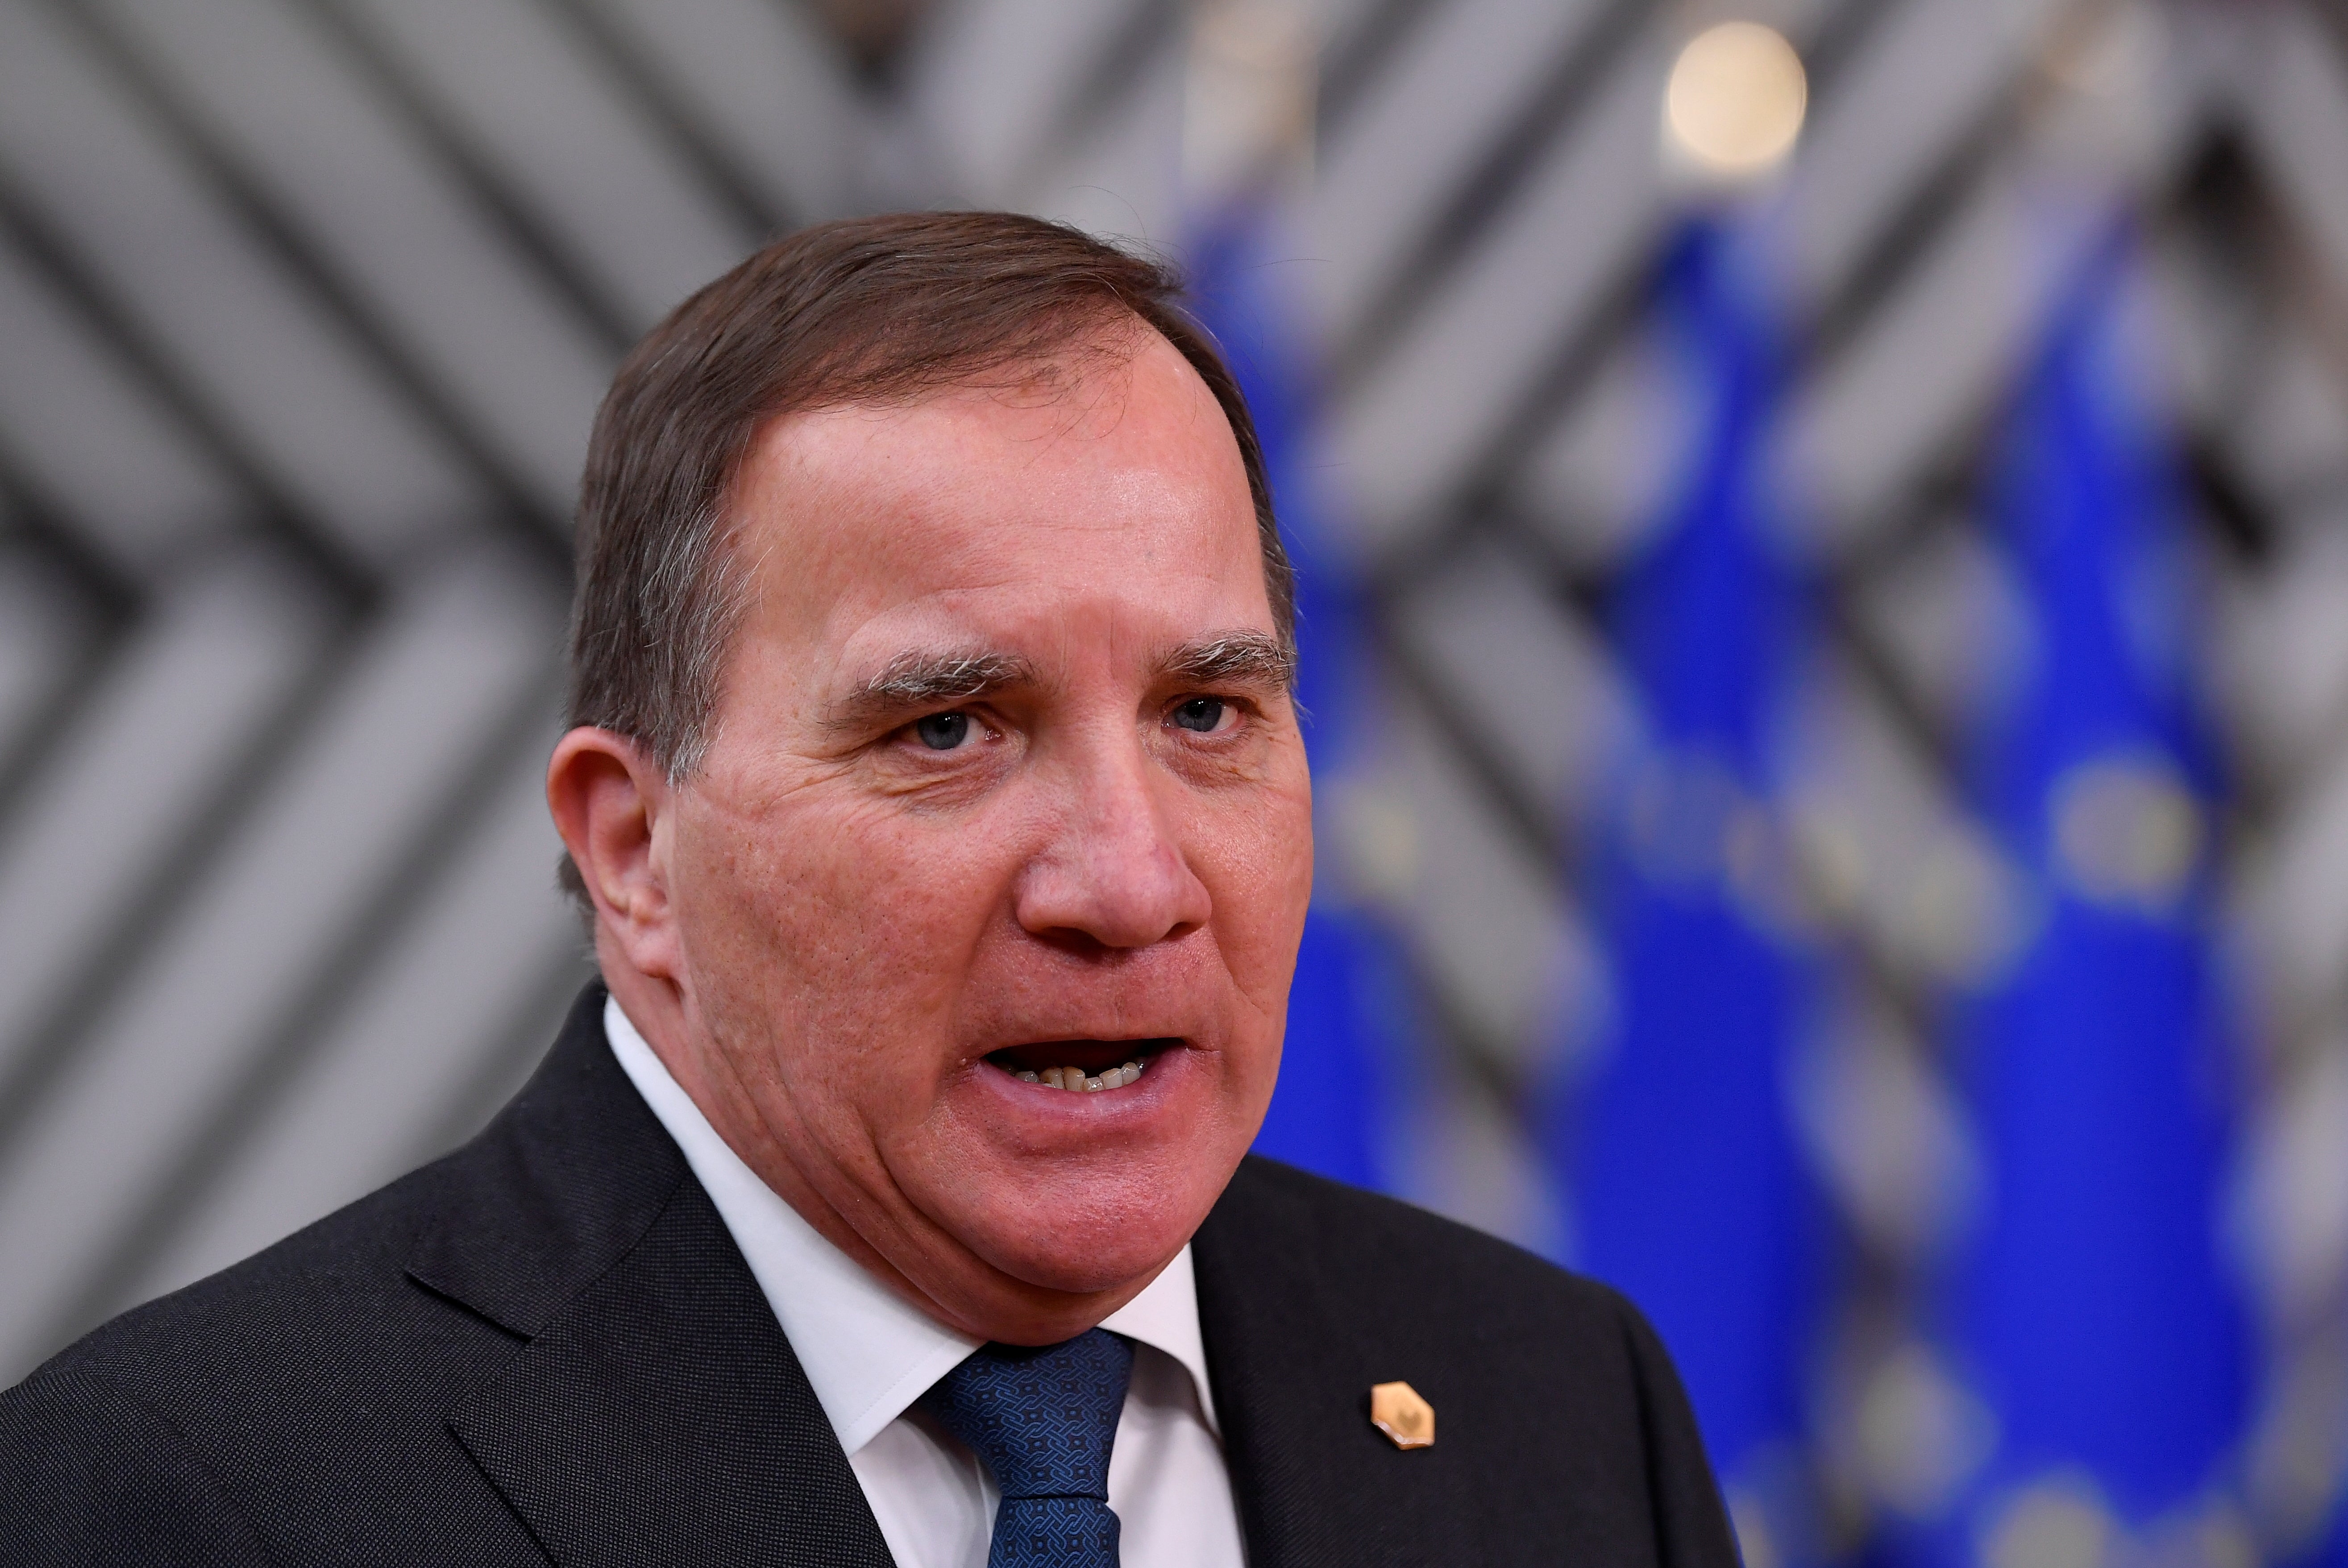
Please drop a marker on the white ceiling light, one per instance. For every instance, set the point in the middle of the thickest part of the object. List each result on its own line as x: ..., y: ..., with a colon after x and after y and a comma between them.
x: 1735, y: 100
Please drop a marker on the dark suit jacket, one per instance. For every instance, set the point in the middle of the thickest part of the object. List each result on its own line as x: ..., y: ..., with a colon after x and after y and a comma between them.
x: 547, y: 1346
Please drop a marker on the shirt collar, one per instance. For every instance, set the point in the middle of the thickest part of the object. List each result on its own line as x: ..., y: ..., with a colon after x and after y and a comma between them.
x: 867, y: 1353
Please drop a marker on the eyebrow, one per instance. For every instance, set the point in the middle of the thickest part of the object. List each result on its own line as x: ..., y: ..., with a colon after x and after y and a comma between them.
x: 918, y: 679
x: 1242, y: 658
x: 915, y: 679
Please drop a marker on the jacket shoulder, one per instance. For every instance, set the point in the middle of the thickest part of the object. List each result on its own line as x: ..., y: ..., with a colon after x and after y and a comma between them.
x: 90, y: 1475
x: 261, y: 1411
x: 1377, y: 1249
x: 1559, y: 1418
x: 475, y: 1249
x: 302, y: 1398
x: 340, y: 1278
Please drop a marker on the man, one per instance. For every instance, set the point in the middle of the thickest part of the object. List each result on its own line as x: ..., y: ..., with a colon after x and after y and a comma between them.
x: 936, y: 791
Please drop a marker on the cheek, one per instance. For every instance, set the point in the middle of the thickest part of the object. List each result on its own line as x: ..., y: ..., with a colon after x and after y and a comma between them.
x: 1258, y: 867
x: 833, y: 926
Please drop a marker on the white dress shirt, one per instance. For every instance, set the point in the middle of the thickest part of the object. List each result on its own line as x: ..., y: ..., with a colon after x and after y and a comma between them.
x: 869, y: 1355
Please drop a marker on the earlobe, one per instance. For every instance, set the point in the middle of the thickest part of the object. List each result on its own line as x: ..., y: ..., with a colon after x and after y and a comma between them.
x: 608, y: 800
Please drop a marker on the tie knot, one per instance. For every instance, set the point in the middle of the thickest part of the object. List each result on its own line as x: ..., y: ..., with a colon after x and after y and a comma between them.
x: 1041, y: 1418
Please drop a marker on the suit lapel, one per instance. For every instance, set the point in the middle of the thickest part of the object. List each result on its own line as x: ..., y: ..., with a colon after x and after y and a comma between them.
x: 663, y: 1418
x: 1293, y: 1369
x: 655, y: 1413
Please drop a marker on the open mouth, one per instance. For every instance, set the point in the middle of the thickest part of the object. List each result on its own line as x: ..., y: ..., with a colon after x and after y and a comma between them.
x: 1088, y: 1066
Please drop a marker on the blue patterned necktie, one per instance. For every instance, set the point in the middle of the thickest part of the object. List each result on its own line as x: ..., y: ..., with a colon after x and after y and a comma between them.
x: 1043, y: 1419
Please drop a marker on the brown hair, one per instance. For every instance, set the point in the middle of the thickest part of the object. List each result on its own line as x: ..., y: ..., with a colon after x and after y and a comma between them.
x: 865, y: 310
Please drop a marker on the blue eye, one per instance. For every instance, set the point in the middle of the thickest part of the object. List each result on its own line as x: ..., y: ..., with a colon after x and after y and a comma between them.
x: 1200, y: 713
x: 943, y: 731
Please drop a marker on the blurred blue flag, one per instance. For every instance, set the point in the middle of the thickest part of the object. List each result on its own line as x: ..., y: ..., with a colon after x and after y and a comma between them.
x: 1676, y: 1145
x: 1350, y: 1014
x: 2089, y: 1308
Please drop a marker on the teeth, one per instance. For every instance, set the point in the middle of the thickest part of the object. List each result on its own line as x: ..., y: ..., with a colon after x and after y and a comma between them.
x: 1076, y: 1077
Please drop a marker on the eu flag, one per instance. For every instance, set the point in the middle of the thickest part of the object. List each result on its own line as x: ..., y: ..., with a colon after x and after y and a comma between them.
x: 2089, y: 1308
x: 1683, y: 1179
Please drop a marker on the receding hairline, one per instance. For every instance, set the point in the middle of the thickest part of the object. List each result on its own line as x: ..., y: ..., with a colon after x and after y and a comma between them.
x: 1099, y: 332
x: 1120, y: 337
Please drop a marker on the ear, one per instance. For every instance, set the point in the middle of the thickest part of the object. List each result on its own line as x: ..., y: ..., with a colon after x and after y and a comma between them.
x: 611, y: 803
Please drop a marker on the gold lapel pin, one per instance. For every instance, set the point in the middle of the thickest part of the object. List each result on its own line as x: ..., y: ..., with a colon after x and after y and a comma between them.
x: 1396, y: 1410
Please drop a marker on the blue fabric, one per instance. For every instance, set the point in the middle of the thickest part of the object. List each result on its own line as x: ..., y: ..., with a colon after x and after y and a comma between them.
x: 1043, y: 1419
x: 2091, y: 1310
x: 1680, y: 1163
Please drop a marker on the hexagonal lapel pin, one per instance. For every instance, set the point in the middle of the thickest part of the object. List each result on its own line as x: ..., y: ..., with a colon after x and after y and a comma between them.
x: 1396, y: 1410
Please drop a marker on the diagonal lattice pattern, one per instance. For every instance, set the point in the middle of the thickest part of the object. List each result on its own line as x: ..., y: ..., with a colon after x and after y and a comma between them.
x: 304, y: 305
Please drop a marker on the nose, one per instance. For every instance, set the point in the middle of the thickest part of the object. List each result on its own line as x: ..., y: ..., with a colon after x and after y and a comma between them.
x: 1113, y: 874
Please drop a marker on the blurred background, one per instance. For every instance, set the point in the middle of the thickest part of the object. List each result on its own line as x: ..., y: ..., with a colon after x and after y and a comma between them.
x: 1825, y: 533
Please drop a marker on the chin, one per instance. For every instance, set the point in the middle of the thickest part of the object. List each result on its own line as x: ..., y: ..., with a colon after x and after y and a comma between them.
x: 1085, y: 1230
x: 1084, y: 1267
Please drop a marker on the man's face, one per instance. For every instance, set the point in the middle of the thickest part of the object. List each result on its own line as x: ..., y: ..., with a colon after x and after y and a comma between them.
x: 1004, y: 777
